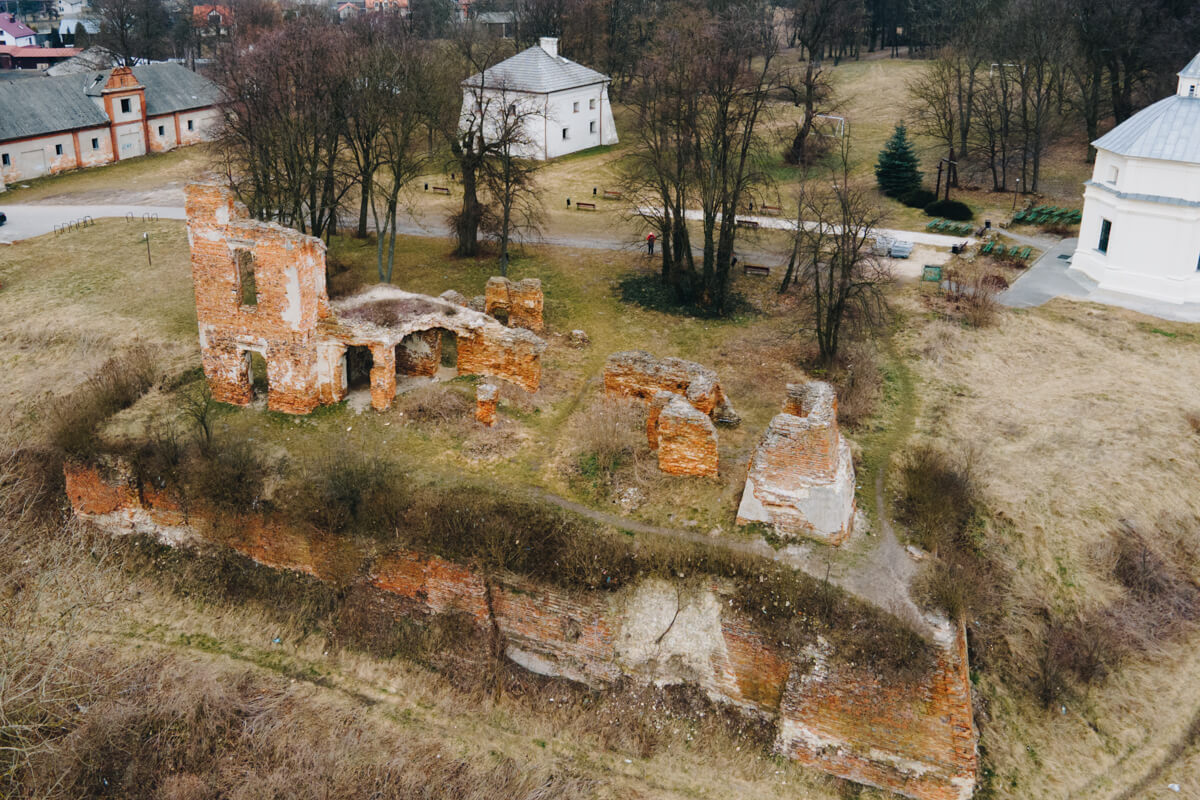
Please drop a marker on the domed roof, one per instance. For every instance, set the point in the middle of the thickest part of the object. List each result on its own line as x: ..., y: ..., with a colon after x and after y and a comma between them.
x: 1169, y: 130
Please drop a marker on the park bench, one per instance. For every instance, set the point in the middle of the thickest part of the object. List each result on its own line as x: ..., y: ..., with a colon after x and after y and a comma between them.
x: 933, y: 225
x: 1025, y: 253
x: 748, y: 224
x: 609, y: 194
x: 586, y: 206
x: 988, y: 248
x: 441, y: 190
x: 772, y: 210
x: 755, y: 269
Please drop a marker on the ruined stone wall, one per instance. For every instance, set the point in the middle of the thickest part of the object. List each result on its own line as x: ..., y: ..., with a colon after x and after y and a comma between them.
x: 636, y: 373
x: 801, y: 476
x: 288, y: 270
x: 521, y: 301
x: 687, y: 440
x: 261, y: 288
x: 915, y: 737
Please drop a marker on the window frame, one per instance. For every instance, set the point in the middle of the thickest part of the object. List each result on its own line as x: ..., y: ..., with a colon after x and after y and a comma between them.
x: 1106, y: 227
x: 126, y: 105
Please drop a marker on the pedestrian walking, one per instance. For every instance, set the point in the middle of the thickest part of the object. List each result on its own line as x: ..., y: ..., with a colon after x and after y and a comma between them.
x: 650, y: 243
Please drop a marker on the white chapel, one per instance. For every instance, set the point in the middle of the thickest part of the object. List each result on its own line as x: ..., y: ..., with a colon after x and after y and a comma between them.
x: 567, y: 103
x: 1140, y: 232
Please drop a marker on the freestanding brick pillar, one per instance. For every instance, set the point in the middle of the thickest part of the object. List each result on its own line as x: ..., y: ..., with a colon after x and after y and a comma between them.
x: 801, y: 477
x: 687, y: 440
x: 486, y: 397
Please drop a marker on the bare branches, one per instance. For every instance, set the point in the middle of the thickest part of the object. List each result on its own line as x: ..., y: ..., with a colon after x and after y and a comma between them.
x: 837, y: 269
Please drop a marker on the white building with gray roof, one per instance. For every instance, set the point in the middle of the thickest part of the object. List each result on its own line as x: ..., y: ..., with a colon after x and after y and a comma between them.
x: 563, y: 106
x: 53, y: 124
x: 1140, y: 232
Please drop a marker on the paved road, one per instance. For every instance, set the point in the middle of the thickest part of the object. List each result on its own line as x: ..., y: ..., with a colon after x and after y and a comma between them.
x: 27, y: 221
x: 1051, y: 276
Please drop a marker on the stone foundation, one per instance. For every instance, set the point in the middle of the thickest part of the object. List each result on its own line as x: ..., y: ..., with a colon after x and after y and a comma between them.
x: 801, y: 476
x: 913, y: 737
x: 260, y: 288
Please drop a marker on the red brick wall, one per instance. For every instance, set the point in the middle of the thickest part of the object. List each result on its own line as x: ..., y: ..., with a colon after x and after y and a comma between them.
x: 914, y: 738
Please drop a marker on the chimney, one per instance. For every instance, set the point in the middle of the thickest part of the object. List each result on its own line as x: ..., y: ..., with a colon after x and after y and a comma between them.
x: 549, y: 44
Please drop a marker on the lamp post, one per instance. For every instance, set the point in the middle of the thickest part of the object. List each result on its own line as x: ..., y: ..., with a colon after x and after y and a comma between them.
x: 1016, y: 191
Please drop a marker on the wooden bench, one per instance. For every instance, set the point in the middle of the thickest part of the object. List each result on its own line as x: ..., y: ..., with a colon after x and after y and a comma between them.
x: 609, y: 194
x: 747, y: 223
x: 586, y: 206
x: 755, y: 269
x: 441, y: 190
x: 771, y: 210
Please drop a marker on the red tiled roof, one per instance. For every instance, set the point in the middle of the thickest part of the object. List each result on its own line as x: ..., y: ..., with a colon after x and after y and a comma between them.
x: 34, y: 52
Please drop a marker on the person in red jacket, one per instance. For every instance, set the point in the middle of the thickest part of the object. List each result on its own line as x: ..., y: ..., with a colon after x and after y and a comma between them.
x: 650, y: 243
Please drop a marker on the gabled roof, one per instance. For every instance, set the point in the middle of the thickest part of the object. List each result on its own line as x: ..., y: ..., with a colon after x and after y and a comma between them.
x: 1192, y: 70
x: 15, y: 28
x: 1168, y: 130
x: 46, y: 105
x: 173, y: 87
x: 535, y: 70
x: 37, y: 107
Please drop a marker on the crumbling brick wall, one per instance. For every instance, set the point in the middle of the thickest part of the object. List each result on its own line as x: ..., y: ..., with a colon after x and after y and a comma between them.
x: 801, y: 476
x: 913, y: 736
x: 521, y: 301
x: 687, y: 440
x: 636, y: 373
x: 261, y: 288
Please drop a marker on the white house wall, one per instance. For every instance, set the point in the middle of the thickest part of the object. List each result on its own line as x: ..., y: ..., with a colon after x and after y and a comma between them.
x: 1154, y: 242
x: 546, y: 117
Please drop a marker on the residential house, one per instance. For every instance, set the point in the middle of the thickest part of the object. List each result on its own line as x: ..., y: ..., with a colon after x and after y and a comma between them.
x: 52, y: 124
x: 564, y: 105
x: 501, y: 24
x: 33, y: 58
x: 14, y: 33
x: 68, y: 8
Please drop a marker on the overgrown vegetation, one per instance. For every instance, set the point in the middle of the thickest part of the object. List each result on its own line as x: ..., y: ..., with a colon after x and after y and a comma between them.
x: 116, y: 385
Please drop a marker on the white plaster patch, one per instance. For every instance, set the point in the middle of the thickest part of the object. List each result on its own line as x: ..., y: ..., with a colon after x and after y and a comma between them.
x: 671, y: 633
x: 292, y: 311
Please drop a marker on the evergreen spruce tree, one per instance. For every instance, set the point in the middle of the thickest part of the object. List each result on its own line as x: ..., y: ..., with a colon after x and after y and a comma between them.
x: 896, y: 171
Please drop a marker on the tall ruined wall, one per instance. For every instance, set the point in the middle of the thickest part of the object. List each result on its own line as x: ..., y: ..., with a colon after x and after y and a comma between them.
x: 915, y: 738
x: 259, y: 287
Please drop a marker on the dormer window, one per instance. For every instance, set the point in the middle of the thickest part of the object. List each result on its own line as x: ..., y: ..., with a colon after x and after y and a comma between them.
x: 126, y: 105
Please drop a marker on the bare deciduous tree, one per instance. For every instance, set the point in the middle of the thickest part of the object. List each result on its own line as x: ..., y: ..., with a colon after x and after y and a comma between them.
x: 837, y: 270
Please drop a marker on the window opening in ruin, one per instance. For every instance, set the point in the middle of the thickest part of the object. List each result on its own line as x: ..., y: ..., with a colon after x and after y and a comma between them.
x: 191, y: 125
x: 58, y: 149
x: 95, y: 144
x: 162, y: 130
x: 358, y: 367
x: 247, y: 285
x: 256, y: 372
x: 501, y: 315
x: 449, y: 349
x: 4, y: 159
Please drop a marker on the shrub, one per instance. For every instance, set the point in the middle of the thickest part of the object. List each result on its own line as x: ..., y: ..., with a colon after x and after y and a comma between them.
x: 950, y: 209
x: 349, y: 490
x: 918, y: 198
x: 937, y: 499
x: 611, y: 434
x: 116, y: 385
x: 859, y: 381
x: 231, y: 476
x: 975, y: 291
